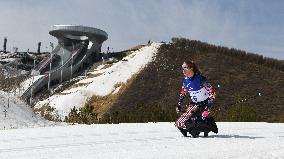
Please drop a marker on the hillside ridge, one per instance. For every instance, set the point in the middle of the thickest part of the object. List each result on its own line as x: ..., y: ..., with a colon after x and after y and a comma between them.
x: 239, y: 75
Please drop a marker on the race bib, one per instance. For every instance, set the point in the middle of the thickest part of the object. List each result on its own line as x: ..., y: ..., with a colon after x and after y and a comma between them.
x: 199, y: 96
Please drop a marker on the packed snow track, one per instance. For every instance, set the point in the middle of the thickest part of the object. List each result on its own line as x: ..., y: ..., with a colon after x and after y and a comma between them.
x: 149, y: 140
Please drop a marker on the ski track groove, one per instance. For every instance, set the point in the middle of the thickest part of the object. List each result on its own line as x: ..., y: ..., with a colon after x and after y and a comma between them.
x: 73, y: 136
x: 92, y: 143
x: 80, y: 143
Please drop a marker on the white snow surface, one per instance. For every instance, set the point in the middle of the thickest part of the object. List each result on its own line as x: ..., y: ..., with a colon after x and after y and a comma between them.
x: 143, y: 140
x: 103, y: 84
x: 27, y: 83
x: 18, y: 114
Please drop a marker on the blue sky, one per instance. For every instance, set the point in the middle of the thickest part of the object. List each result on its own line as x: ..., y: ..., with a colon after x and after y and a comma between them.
x: 251, y: 25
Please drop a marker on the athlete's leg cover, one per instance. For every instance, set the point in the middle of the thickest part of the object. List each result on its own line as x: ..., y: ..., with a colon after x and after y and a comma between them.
x: 180, y: 123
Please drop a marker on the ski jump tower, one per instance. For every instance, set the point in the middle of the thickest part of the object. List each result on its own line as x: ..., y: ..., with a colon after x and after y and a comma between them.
x: 78, y: 46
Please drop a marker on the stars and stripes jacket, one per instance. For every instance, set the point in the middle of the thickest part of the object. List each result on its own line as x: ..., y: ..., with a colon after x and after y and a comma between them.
x: 198, y: 89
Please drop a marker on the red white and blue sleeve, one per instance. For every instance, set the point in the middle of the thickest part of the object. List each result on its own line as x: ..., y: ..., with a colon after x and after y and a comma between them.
x: 181, y: 97
x: 210, y: 90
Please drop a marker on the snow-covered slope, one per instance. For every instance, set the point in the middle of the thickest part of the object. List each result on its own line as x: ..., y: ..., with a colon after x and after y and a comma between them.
x: 150, y: 140
x: 18, y: 114
x: 103, y: 83
x: 27, y: 83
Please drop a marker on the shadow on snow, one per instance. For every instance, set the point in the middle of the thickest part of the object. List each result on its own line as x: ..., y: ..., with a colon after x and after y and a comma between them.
x: 234, y: 136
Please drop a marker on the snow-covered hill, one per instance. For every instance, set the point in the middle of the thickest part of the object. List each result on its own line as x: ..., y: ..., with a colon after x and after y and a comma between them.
x: 149, y: 140
x: 16, y: 114
x: 102, y: 81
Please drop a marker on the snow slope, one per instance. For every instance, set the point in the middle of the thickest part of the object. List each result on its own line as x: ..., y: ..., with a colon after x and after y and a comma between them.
x: 102, y: 84
x: 18, y: 114
x: 27, y: 83
x: 149, y: 140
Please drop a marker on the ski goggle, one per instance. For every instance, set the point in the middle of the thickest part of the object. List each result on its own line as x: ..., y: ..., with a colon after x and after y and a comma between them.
x: 184, y: 69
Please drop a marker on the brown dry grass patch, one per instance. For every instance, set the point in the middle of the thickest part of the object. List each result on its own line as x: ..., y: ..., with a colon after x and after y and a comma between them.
x: 80, y: 85
x: 102, y: 104
x: 94, y: 75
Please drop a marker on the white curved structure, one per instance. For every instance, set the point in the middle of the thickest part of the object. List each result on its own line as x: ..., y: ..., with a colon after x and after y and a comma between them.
x: 77, y: 46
